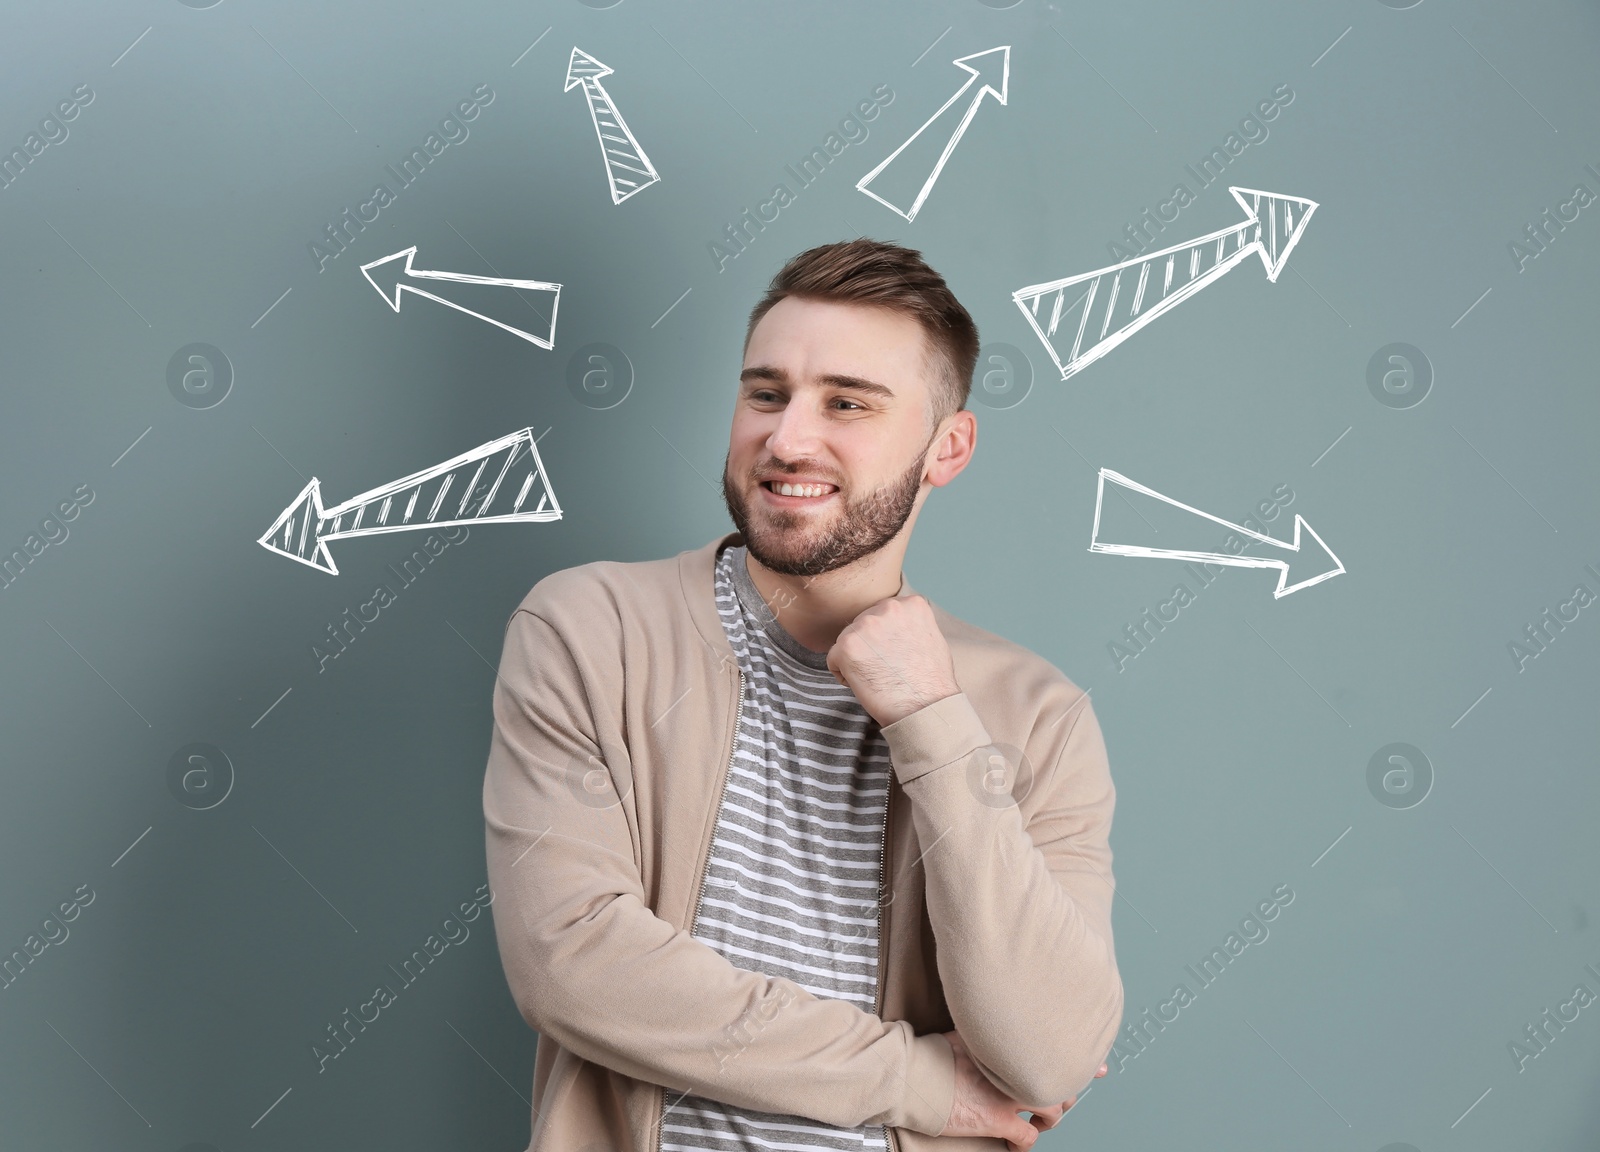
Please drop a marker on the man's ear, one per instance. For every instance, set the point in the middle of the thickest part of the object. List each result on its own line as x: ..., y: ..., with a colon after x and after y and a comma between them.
x: 953, y: 445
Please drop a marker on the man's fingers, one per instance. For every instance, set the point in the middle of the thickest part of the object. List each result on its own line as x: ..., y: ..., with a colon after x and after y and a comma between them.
x: 1045, y: 1119
x: 1021, y: 1138
x: 1100, y: 1073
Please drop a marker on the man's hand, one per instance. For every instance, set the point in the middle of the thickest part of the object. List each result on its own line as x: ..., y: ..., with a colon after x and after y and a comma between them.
x: 894, y: 658
x: 981, y: 1109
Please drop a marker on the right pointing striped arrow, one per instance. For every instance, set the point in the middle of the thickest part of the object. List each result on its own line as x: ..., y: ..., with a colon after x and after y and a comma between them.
x: 1085, y: 316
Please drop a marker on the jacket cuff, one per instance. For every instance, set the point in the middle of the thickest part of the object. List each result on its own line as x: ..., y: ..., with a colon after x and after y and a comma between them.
x: 935, y: 735
x: 930, y: 1084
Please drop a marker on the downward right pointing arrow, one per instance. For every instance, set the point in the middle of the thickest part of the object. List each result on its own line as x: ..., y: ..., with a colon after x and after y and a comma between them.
x: 1309, y: 556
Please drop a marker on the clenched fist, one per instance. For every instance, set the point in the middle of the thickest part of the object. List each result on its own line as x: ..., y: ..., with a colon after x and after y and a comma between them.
x: 894, y: 658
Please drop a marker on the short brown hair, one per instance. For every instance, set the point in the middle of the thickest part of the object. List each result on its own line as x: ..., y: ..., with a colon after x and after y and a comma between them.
x: 885, y: 275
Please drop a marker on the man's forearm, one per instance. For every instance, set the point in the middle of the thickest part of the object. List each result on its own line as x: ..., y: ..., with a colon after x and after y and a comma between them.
x: 622, y: 988
x: 1024, y: 947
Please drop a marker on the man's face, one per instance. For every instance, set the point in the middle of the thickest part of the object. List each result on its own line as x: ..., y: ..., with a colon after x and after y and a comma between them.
x: 836, y: 395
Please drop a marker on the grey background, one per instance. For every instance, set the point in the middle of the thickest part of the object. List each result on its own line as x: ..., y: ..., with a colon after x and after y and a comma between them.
x: 222, y: 942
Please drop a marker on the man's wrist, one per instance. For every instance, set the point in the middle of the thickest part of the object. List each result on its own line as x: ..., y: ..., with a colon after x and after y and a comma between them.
x: 933, y: 696
x: 930, y: 1084
x: 940, y: 733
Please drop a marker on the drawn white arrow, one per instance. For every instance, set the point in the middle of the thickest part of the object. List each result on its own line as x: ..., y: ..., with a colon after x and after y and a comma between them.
x: 628, y: 169
x: 1318, y: 557
x: 494, y: 481
x: 390, y: 282
x: 1272, y: 226
x: 992, y: 66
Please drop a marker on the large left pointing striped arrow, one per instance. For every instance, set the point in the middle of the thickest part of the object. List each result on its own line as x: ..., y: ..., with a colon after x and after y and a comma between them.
x: 495, y: 483
x: 390, y: 281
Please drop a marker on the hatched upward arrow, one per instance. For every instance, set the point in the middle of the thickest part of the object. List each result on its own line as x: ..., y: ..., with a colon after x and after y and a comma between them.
x: 993, y: 67
x: 390, y: 280
x: 1103, y: 308
x: 628, y: 169
x: 1309, y: 556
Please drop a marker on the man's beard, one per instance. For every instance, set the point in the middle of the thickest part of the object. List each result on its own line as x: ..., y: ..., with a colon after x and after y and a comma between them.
x: 863, y: 527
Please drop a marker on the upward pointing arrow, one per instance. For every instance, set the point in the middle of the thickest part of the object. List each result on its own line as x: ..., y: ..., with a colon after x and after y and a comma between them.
x: 993, y: 67
x: 1272, y: 227
x: 390, y: 281
x: 628, y: 169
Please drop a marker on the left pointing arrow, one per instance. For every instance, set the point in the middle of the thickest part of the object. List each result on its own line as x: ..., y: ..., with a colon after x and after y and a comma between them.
x: 500, y: 482
x: 390, y: 280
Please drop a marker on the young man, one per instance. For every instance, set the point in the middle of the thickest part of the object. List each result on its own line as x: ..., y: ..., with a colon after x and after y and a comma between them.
x: 769, y: 867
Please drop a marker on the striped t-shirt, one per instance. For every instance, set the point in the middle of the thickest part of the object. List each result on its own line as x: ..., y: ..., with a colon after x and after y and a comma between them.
x: 791, y: 884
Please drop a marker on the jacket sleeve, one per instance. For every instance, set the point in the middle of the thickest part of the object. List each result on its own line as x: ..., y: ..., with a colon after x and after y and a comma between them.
x: 594, y: 969
x: 1020, y: 909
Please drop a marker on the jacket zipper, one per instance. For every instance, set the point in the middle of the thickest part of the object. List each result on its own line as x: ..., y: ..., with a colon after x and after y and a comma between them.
x: 694, y: 920
x: 883, y: 884
x: 883, y: 954
x: 738, y: 718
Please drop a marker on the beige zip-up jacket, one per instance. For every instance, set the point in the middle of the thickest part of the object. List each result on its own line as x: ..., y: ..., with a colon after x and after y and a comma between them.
x: 615, y: 712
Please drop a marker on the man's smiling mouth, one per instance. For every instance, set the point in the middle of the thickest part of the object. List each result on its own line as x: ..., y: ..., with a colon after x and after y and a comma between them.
x: 793, y: 490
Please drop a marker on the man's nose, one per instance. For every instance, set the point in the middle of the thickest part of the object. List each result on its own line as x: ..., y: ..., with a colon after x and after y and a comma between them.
x: 798, y: 433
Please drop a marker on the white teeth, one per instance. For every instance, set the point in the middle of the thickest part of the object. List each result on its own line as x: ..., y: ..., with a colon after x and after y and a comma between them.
x: 801, y: 489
